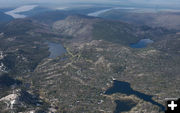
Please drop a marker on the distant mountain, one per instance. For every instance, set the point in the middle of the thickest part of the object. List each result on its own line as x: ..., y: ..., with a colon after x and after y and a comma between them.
x: 49, y: 17
x: 85, y: 27
x: 36, y: 11
x: 167, y: 18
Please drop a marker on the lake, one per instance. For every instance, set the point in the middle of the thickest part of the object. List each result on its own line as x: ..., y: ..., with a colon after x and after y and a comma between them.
x: 125, y: 88
x: 142, y: 43
x: 16, y: 12
x: 55, y: 49
x: 98, y: 13
x: 124, y: 105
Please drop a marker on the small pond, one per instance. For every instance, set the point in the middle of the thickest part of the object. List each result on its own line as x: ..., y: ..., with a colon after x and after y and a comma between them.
x: 142, y: 43
x: 55, y: 49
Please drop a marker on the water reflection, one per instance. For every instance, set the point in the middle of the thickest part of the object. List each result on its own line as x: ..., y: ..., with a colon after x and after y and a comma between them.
x: 124, y: 88
x: 55, y: 49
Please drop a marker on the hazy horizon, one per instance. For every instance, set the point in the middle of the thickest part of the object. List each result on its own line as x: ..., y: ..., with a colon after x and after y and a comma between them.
x: 149, y: 3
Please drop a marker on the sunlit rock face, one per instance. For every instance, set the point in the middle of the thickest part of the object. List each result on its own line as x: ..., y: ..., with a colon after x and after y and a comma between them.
x: 20, y: 99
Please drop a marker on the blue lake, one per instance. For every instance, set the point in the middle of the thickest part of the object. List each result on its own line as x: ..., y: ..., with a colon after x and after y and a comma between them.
x: 125, y: 88
x: 142, y: 43
x: 55, y: 49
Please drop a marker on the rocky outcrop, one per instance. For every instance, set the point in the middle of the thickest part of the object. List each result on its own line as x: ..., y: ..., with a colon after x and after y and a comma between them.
x: 20, y: 99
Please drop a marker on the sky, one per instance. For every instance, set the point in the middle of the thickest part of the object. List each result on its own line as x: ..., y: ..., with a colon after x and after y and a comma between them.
x: 170, y: 3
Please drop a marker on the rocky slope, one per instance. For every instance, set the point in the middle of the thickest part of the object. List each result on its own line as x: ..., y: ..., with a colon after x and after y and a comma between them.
x: 91, y: 67
x: 77, y: 26
x: 168, y: 19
